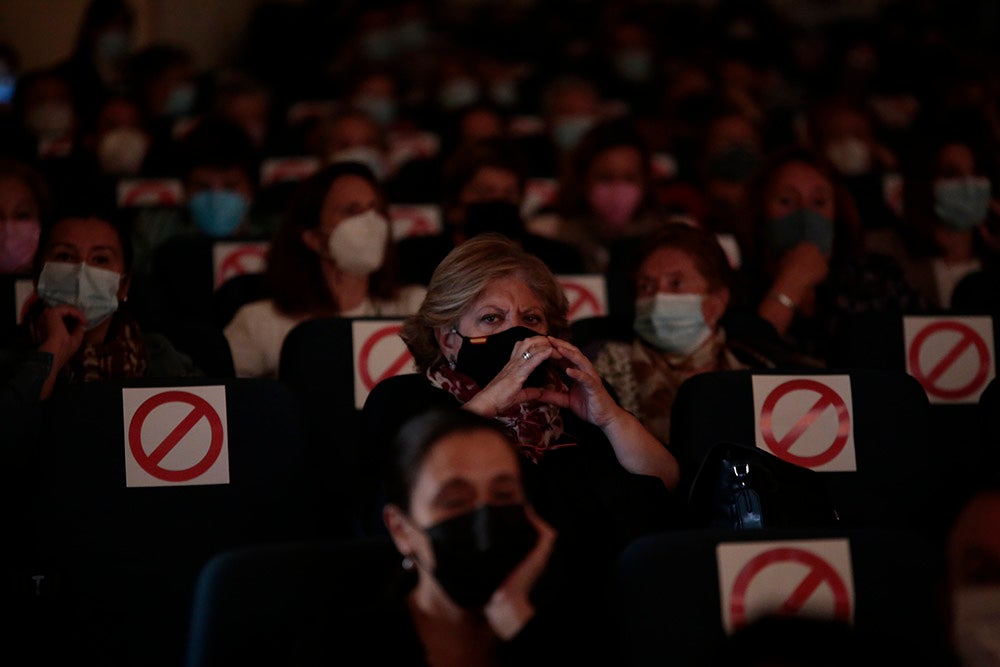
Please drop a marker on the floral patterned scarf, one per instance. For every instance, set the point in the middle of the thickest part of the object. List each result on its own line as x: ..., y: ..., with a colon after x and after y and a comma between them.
x: 122, y: 355
x: 534, y: 425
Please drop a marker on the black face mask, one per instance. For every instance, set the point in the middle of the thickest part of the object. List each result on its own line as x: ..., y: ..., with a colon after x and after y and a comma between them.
x: 494, y: 216
x: 483, y: 357
x: 474, y: 552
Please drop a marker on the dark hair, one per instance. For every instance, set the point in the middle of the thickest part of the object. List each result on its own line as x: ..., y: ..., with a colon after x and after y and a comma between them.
x: 847, y: 237
x: 116, y: 222
x: 219, y: 143
x: 463, y: 165
x: 416, y: 439
x: 606, y: 135
x: 700, y: 244
x: 293, y: 269
x: 35, y: 182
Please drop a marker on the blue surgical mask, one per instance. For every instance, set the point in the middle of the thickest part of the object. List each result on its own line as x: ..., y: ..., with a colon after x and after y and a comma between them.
x: 568, y: 130
x: 94, y: 291
x: 218, y: 213
x: 674, y: 323
x: 962, y: 203
x: 803, y: 224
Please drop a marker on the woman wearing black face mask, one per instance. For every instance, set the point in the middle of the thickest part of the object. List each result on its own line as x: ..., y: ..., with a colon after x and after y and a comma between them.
x: 458, y: 515
x: 489, y: 337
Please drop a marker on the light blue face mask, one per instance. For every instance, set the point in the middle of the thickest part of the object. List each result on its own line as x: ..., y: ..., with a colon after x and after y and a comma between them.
x: 803, y: 224
x: 962, y: 203
x: 381, y: 109
x: 672, y: 322
x: 94, y: 291
x: 458, y: 93
x: 218, y: 213
x: 114, y: 45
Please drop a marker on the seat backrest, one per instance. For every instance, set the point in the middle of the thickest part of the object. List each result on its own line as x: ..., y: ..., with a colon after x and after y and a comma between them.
x: 864, y: 431
x: 140, y: 484
x: 331, y: 364
x: 677, y: 596
x: 268, y: 605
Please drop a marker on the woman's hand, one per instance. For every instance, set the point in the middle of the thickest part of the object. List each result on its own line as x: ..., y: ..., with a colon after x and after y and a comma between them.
x: 507, y: 388
x: 510, y: 607
x: 587, y: 398
x: 60, y: 330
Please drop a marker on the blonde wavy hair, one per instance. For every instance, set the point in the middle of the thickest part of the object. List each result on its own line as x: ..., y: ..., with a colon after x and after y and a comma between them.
x: 461, y: 278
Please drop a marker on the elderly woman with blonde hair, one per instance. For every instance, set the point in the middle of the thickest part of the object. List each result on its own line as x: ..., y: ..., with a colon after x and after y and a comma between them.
x: 490, y: 336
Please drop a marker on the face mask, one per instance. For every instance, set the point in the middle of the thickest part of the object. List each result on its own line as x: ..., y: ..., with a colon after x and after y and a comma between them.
x: 804, y: 224
x: 474, y: 552
x: 976, y: 625
x: 113, y: 45
x: 50, y: 120
x: 962, y: 203
x: 634, y: 65
x: 672, y: 322
x: 494, y: 216
x: 733, y: 164
x: 381, y: 109
x: 180, y: 101
x: 357, y: 243
x: 94, y: 291
x: 615, y: 202
x: 122, y: 150
x: 458, y: 93
x: 218, y: 213
x: 483, y: 357
x: 567, y: 131
x: 18, y: 243
x: 366, y: 155
x: 851, y: 156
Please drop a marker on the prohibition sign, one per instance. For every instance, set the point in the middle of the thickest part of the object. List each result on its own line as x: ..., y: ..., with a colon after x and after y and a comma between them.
x: 150, y: 462
x: 579, y: 297
x: 366, y: 351
x: 827, y: 398
x: 232, y: 264
x: 820, y: 572
x: 967, y: 337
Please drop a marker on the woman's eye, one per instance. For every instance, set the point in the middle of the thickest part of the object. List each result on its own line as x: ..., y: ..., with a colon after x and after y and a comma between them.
x: 491, y: 318
x: 534, y: 319
x: 62, y: 256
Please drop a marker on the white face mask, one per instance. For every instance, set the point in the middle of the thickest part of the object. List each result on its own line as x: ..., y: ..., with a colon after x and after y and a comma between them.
x: 976, y: 625
x: 94, y: 291
x: 357, y: 244
x: 122, y: 150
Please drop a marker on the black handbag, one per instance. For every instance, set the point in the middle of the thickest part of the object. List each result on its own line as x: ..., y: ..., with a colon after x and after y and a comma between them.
x: 740, y: 487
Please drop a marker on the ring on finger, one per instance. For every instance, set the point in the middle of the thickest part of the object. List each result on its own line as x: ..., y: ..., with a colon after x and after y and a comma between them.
x: 526, y: 355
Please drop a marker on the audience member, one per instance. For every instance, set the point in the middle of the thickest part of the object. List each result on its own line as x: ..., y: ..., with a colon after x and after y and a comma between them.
x: 332, y: 256
x: 490, y: 336
x: 25, y: 205
x: 812, y: 271
x: 682, y: 291
x: 484, y: 187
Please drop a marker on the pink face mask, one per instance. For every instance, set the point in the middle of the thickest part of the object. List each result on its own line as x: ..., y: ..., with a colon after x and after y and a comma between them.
x: 615, y: 202
x: 18, y: 243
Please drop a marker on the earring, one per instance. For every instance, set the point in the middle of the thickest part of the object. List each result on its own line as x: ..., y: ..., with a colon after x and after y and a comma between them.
x: 451, y: 362
x: 408, y: 563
